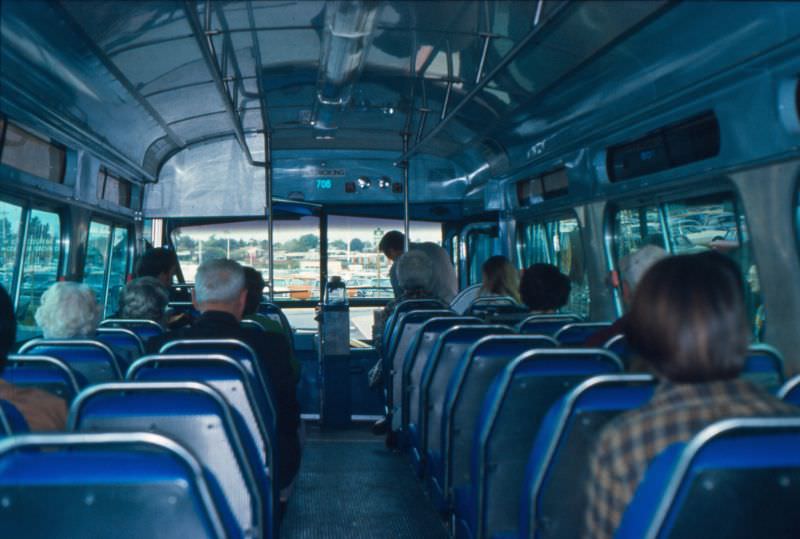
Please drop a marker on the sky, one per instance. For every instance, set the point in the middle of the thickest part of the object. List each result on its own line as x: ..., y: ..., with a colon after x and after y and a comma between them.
x: 339, y: 228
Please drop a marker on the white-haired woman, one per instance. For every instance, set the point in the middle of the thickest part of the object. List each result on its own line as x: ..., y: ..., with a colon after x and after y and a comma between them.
x: 68, y: 310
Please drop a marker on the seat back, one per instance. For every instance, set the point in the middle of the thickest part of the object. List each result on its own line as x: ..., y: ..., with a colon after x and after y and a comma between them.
x: 417, y: 357
x: 755, y: 461
x: 124, y: 342
x: 764, y: 366
x: 144, y: 329
x: 464, y: 395
x: 11, y: 420
x: 484, y: 305
x: 546, y: 324
x: 790, y: 391
x: 558, y: 465
x: 93, y: 359
x: 452, y: 346
x: 245, y: 323
x: 228, y: 377
x: 511, y: 414
x: 234, y: 349
x: 461, y: 302
x: 406, y: 331
x: 575, y: 334
x: 400, y: 309
x: 83, y: 484
x: 273, y: 312
x: 45, y: 373
x: 194, y: 415
x: 618, y: 344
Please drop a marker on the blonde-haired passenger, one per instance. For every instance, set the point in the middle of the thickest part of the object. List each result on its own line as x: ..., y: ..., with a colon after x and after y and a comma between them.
x: 68, y: 310
x: 500, y: 278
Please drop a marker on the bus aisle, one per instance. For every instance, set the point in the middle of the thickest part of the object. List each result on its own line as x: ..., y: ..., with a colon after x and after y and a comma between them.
x: 350, y: 485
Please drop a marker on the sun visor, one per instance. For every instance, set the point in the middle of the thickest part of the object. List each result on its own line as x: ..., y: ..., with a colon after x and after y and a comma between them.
x: 209, y: 180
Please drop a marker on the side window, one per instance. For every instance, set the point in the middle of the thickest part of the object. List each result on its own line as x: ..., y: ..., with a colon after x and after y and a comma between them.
x: 39, y: 267
x: 696, y: 225
x: 568, y: 256
x: 10, y: 222
x: 118, y: 268
x: 635, y: 228
x: 94, y: 269
x: 559, y: 243
x: 481, y: 244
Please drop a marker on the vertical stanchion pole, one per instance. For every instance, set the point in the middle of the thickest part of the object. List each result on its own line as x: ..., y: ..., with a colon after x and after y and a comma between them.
x: 405, y: 192
x: 270, y: 222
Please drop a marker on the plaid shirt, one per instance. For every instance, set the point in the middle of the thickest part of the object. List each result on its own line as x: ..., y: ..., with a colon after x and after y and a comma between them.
x: 676, y: 413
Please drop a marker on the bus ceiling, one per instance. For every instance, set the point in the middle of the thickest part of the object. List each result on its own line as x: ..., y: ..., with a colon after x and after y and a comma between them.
x: 464, y: 93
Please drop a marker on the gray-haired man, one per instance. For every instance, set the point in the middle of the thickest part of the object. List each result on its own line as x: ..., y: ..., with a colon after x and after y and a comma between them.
x: 220, y: 296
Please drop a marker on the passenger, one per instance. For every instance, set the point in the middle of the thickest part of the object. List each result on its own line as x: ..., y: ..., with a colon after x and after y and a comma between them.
x: 254, y: 282
x: 144, y: 298
x: 544, y: 289
x: 160, y: 263
x: 632, y: 266
x: 68, y: 310
x: 499, y: 279
x: 445, y: 281
x: 416, y: 280
x: 41, y: 410
x: 687, y: 320
x: 220, y: 295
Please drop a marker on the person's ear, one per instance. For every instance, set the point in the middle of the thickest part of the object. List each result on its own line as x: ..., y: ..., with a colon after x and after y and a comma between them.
x: 194, y: 300
x: 242, y: 302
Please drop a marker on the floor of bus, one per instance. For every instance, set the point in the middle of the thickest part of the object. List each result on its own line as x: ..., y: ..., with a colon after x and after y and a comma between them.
x: 351, y: 485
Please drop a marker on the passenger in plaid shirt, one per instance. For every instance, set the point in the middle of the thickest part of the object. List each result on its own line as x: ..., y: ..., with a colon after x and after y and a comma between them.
x: 688, y: 322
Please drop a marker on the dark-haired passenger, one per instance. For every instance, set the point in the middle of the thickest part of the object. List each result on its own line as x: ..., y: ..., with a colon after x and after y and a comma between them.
x: 41, y: 410
x: 687, y: 321
x: 254, y: 283
x: 544, y: 289
x: 160, y: 263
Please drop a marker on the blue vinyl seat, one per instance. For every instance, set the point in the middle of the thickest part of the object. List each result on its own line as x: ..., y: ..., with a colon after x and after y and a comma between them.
x: 764, y: 366
x: 618, y: 344
x: 45, y: 373
x: 399, y: 310
x: 252, y: 324
x: 234, y: 349
x: 511, y: 414
x: 227, y: 376
x: 417, y: 357
x: 144, y: 329
x: 199, y: 418
x: 126, y: 344
x: 575, y: 334
x: 11, y: 420
x: 790, y: 391
x: 405, y: 332
x: 737, y: 478
x: 275, y: 313
x: 93, y: 359
x: 553, y: 497
x: 125, y: 485
x: 424, y: 422
x: 546, y: 324
x: 471, y: 378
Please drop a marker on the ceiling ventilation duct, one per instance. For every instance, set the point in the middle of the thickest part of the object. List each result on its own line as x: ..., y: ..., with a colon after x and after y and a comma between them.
x: 348, y: 31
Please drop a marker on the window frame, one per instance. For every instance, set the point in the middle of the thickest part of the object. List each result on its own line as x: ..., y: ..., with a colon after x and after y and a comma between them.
x: 113, y: 227
x: 660, y: 201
